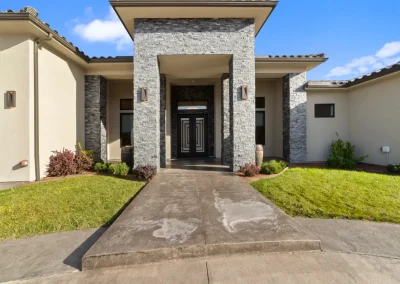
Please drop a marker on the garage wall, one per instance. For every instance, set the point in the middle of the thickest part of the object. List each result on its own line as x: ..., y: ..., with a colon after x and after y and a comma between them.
x: 322, y: 131
x: 61, y: 104
x: 16, y: 125
x: 374, y: 119
x: 117, y: 90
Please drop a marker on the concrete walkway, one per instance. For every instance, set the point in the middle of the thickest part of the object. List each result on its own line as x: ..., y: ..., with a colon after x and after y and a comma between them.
x: 9, y: 185
x: 354, y: 236
x: 45, y: 255
x: 184, y: 214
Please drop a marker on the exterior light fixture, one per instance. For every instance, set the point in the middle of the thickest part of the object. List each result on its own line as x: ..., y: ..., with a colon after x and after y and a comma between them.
x: 23, y: 163
x: 11, y: 99
x: 145, y: 94
x: 244, y: 92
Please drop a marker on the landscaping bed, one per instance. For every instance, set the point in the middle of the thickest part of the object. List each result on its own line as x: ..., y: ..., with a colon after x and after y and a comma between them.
x: 64, y: 204
x: 328, y: 193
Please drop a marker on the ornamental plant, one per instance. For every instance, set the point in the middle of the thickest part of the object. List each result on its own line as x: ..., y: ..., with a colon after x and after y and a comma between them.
x: 66, y: 162
x: 250, y: 170
x: 101, y: 167
x: 394, y: 169
x: 342, y: 155
x: 119, y: 169
x: 273, y: 167
x: 146, y: 172
x: 87, y: 153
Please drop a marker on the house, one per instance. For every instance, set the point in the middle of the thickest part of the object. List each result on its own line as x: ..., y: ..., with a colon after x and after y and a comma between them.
x: 194, y: 87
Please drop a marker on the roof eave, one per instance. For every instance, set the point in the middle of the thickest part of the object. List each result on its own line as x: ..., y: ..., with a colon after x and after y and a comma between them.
x: 118, y: 59
x: 267, y: 59
x: 45, y: 28
x: 191, y: 3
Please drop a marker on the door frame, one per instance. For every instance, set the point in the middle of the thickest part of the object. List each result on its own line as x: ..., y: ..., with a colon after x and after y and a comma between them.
x: 192, y: 120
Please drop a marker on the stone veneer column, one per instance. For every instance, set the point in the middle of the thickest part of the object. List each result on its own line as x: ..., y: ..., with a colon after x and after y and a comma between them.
x: 294, y: 118
x: 146, y: 116
x: 243, y: 112
x: 226, y: 134
x: 96, y: 116
x: 163, y: 126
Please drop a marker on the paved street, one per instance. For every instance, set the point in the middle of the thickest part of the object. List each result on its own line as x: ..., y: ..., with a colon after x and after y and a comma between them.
x: 300, y: 267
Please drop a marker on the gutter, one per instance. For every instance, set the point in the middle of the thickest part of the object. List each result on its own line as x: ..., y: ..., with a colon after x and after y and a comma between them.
x: 37, y: 45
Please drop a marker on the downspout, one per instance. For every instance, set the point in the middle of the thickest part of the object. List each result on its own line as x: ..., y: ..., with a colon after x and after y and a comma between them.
x: 37, y: 45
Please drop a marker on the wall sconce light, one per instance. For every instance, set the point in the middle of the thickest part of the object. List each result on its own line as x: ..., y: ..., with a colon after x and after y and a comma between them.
x: 244, y: 92
x: 145, y: 94
x: 23, y: 163
x: 11, y: 99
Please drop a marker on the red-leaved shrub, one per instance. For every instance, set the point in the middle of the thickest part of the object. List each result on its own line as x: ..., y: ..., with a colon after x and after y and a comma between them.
x: 66, y: 162
x: 146, y: 172
x: 250, y: 170
x: 83, y: 162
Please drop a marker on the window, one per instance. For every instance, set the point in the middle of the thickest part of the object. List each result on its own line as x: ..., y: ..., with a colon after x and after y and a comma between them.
x: 260, y: 102
x: 260, y: 127
x: 324, y: 110
x: 126, y: 104
x: 192, y: 105
x: 126, y: 125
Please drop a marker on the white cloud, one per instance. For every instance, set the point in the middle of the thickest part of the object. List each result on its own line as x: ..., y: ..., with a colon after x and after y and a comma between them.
x: 358, y: 66
x: 107, y: 30
x: 389, y: 49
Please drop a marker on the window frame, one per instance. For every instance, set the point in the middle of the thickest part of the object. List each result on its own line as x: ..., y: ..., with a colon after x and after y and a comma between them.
x: 261, y: 127
x: 123, y: 109
x: 263, y: 98
x: 201, y: 105
x: 120, y: 129
x: 325, y: 104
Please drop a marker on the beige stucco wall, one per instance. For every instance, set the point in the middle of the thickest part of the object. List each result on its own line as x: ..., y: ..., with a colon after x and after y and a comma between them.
x: 117, y: 90
x: 322, y: 131
x: 16, y: 125
x: 61, y: 104
x: 272, y: 91
x: 373, y: 119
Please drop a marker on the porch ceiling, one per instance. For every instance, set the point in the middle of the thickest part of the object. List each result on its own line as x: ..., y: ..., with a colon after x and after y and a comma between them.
x: 194, y: 66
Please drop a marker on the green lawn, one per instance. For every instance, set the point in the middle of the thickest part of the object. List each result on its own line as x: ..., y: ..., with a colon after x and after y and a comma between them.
x: 324, y: 193
x: 62, y: 205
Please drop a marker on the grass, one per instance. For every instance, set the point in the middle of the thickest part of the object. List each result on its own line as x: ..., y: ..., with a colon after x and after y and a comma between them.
x: 325, y: 193
x: 62, y: 205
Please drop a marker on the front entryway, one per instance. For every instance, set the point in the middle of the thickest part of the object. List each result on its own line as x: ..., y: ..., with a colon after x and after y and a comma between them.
x: 192, y: 121
x: 192, y: 135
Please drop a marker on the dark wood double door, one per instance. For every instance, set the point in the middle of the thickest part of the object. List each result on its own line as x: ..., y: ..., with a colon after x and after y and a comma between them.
x: 192, y: 135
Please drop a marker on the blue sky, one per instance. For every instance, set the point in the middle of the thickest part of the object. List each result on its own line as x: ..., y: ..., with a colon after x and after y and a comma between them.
x: 358, y: 36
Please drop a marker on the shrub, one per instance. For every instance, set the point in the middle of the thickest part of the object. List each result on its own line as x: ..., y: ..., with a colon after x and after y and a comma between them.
x: 273, y: 167
x: 62, y: 163
x: 146, y: 172
x: 119, y: 169
x: 83, y: 162
x: 101, y: 167
x: 394, y: 169
x: 342, y: 155
x: 86, y: 153
x: 66, y: 162
x: 250, y: 170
